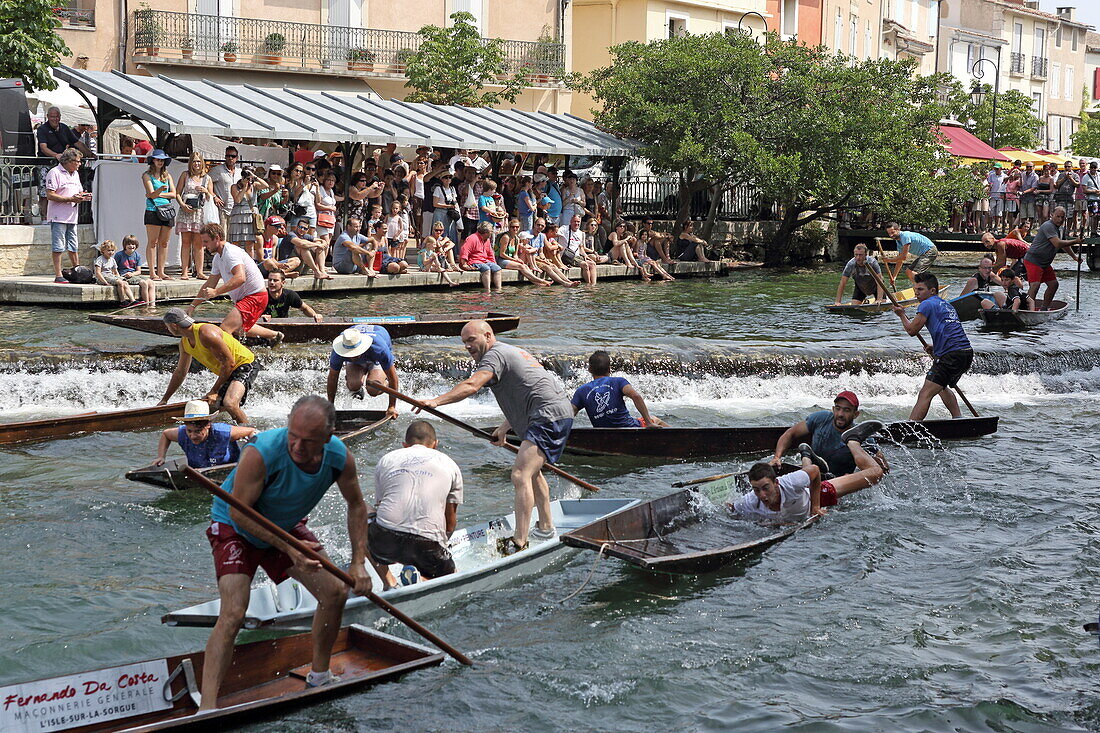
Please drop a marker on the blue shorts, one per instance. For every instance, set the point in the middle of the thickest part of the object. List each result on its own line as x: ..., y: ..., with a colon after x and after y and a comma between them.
x: 550, y: 437
x: 386, y: 260
x: 63, y: 237
x: 488, y: 267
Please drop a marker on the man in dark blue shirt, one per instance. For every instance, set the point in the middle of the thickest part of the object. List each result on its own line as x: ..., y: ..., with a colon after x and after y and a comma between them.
x: 951, y: 351
x: 602, y: 398
x: 364, y: 352
x: 824, y: 432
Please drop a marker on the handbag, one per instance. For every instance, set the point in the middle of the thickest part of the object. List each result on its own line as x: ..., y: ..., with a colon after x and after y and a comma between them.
x: 166, y: 214
x: 257, y: 222
x: 299, y: 210
x: 453, y: 215
x: 326, y: 219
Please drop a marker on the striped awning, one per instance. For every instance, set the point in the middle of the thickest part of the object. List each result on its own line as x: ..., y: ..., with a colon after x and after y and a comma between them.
x: 244, y: 110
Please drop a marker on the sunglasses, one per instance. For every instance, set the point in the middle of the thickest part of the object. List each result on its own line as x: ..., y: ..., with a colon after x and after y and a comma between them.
x: 228, y: 157
x: 311, y: 168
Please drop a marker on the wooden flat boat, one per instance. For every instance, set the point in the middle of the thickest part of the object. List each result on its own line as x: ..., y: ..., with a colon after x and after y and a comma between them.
x: 1005, y: 320
x: 967, y: 306
x: 655, y: 535
x: 89, y: 422
x: 301, y: 329
x: 478, y: 569
x: 161, y: 694
x: 905, y: 297
x: 721, y: 442
x: 351, y: 425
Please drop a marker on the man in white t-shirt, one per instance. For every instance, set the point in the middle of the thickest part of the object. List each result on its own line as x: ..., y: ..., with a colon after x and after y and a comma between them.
x: 224, y: 175
x: 240, y: 277
x: 417, y: 490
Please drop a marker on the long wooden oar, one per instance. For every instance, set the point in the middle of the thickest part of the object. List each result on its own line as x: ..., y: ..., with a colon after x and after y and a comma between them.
x: 889, y: 269
x: 1080, y: 257
x: 923, y: 342
x: 327, y: 564
x: 704, y: 480
x: 476, y: 431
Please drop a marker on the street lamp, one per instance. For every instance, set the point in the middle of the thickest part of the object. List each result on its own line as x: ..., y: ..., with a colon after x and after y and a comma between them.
x: 977, y: 93
x: 747, y: 30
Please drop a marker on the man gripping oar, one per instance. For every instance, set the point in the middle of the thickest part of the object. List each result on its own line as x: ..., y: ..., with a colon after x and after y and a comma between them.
x: 535, y: 406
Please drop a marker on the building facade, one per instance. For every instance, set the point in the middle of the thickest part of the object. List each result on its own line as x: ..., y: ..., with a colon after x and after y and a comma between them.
x: 852, y: 27
x: 348, y: 45
x: 911, y: 30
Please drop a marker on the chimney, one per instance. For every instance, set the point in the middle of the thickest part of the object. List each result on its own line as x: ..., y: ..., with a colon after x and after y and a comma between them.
x: 1032, y: 4
x: 1065, y: 13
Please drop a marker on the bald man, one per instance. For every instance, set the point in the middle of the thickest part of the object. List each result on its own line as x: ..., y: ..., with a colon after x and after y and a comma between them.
x: 535, y: 406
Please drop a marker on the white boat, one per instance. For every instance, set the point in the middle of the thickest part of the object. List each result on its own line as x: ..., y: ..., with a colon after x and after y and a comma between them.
x: 478, y: 568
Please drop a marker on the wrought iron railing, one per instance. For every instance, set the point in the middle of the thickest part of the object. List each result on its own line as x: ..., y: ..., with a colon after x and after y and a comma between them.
x: 1018, y: 62
x: 658, y: 196
x: 217, y: 40
x: 1038, y: 66
x: 20, y: 180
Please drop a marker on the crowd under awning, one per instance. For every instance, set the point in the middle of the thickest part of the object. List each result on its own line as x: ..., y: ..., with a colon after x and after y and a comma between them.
x: 202, y: 106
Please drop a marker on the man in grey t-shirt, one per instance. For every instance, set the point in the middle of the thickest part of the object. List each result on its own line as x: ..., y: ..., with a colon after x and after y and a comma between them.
x: 535, y: 406
x: 860, y: 268
x: 1041, y: 254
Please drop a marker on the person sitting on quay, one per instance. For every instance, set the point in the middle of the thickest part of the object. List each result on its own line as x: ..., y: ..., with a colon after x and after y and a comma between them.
x: 1041, y: 254
x: 241, y: 280
x: 301, y: 242
x: 432, y: 261
x: 573, y: 254
x: 351, y: 251
x: 235, y: 366
x: 508, y: 254
x: 365, y: 352
x: 822, y: 434
x: 860, y: 269
x: 531, y: 249
x: 915, y: 242
x: 602, y: 398
x: 1015, y: 296
x: 657, y: 243
x: 204, y: 442
x: 692, y: 247
x: 477, y: 255
x: 129, y: 267
x: 417, y: 491
x: 1009, y: 246
x: 981, y: 281
x: 280, y: 300
x: 105, y: 268
x: 273, y: 234
x: 646, y: 263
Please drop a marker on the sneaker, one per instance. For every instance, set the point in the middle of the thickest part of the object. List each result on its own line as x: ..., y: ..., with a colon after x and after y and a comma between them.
x: 860, y: 433
x: 138, y: 302
x: 61, y: 281
x: 542, y: 535
x: 409, y: 575
x: 805, y: 451
x: 320, y: 679
x: 359, y: 394
x: 508, y: 546
x: 279, y: 336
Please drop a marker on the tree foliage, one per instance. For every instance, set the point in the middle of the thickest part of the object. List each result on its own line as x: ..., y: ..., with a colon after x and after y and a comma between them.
x: 1017, y: 124
x: 455, y: 65
x: 29, y: 43
x: 1086, y: 140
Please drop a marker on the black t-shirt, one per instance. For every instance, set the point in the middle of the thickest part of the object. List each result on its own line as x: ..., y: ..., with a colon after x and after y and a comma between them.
x: 56, y: 140
x: 280, y: 307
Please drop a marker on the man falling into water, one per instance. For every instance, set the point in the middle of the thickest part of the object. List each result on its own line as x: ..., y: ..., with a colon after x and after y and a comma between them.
x: 835, y: 442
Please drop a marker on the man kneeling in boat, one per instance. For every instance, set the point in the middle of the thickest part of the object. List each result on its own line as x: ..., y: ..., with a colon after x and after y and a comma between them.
x: 602, y: 398
x: 284, y: 475
x: 417, y: 490
x: 825, y: 433
x: 205, y: 442
x: 796, y: 496
x: 219, y: 352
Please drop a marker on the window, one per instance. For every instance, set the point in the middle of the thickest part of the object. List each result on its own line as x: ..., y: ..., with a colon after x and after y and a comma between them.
x: 838, y: 31
x: 1055, y: 80
x: 789, y: 21
x: 867, y: 38
x: 1071, y: 93
x: 1018, y: 38
x: 346, y: 13
x: 474, y: 7
x: 1037, y: 103
x: 1040, y: 48
x: 853, y: 35
x: 933, y: 18
x: 1058, y: 36
x: 677, y: 25
x: 1073, y: 35
x: 971, y: 56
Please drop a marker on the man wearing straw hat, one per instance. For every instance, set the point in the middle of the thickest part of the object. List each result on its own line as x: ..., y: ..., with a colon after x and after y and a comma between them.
x: 363, y: 352
x: 205, y: 442
x: 219, y: 352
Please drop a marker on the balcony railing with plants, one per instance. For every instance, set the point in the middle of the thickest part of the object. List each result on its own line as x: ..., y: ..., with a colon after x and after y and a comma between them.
x: 212, y: 40
x: 1017, y: 63
x: 1038, y: 66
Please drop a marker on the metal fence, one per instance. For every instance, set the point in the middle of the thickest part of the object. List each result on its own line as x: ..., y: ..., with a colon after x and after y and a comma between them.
x: 1017, y: 61
x: 1038, y: 66
x: 217, y: 40
x: 19, y: 190
x: 658, y: 196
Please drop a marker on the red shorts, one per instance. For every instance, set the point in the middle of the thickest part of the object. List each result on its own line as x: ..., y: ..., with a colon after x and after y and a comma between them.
x: 1036, y: 274
x: 234, y: 554
x: 828, y: 494
x: 251, y: 307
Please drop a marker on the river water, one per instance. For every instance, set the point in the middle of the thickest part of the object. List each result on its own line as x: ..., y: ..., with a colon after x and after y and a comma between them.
x: 949, y: 597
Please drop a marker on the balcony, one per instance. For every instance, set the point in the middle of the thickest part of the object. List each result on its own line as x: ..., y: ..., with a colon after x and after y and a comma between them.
x: 212, y: 40
x: 1017, y: 63
x: 75, y: 14
x: 1039, y: 67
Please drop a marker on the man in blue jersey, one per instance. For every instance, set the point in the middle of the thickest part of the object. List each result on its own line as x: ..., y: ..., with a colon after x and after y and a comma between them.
x: 283, y: 475
x: 950, y: 349
x: 832, y: 437
x: 364, y: 352
x: 915, y: 243
x: 602, y: 398
x: 205, y: 442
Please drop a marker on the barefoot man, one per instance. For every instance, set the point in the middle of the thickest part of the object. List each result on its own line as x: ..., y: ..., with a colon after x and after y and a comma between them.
x: 240, y: 278
x: 284, y: 475
x: 535, y: 406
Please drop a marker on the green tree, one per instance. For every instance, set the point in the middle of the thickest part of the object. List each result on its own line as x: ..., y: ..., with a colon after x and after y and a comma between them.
x: 454, y: 65
x: 29, y: 44
x: 1086, y: 140
x: 1017, y: 125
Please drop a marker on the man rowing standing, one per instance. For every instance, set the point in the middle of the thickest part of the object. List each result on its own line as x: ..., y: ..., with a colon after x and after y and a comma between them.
x: 364, y: 352
x: 279, y: 302
x: 916, y: 243
x: 240, y: 277
x: 204, y: 442
x: 283, y: 476
x: 417, y: 490
x: 950, y: 349
x: 860, y: 268
x: 827, y: 434
x: 602, y: 398
x: 535, y: 406
x: 219, y: 352
x: 1039, y: 257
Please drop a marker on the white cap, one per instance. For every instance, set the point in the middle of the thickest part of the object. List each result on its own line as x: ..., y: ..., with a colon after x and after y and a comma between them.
x: 319, y: 154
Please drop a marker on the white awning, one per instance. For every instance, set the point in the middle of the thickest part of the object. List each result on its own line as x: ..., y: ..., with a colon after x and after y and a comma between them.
x: 244, y: 110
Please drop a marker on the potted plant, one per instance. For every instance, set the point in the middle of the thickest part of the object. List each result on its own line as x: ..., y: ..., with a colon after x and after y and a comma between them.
x: 148, y: 32
x: 545, y: 60
x: 360, y: 59
x: 229, y: 51
x: 271, y: 52
x: 187, y: 47
x: 402, y: 59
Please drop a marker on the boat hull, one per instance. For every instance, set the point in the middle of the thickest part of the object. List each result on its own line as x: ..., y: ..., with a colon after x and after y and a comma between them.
x: 92, y: 422
x: 1006, y: 320
x: 967, y: 306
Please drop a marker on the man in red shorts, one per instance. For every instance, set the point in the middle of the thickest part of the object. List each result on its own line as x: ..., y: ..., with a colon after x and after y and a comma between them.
x: 284, y: 474
x: 1041, y: 254
x: 240, y: 277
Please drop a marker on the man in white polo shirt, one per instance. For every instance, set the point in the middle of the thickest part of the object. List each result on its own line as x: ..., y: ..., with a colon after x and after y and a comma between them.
x: 241, y: 279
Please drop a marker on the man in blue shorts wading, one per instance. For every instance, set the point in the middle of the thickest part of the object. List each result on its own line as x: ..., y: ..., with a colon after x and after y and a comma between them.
x: 602, y: 398
x: 535, y: 406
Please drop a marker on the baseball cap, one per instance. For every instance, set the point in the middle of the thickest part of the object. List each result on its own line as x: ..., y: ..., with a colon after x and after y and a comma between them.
x: 319, y: 154
x: 178, y: 317
x: 849, y: 396
x: 275, y: 221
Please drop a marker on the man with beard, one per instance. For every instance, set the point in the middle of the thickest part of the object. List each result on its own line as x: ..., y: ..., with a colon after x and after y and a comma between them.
x: 835, y: 443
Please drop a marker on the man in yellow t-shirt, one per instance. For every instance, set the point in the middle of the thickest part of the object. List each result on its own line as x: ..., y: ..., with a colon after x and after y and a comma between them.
x: 219, y: 352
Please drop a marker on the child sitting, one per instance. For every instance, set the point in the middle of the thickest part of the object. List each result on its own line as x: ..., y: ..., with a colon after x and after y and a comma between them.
x: 106, y: 273
x: 1016, y: 296
x: 129, y: 268
x: 434, y: 261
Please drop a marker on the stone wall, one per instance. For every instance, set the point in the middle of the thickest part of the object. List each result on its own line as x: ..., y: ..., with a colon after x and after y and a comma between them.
x: 25, y: 250
x: 745, y: 239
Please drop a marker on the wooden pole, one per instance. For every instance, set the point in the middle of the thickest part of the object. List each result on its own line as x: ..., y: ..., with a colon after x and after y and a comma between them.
x: 476, y: 431
x: 889, y: 269
x: 925, y: 343
x: 704, y: 480
x: 1079, y: 258
x: 327, y: 564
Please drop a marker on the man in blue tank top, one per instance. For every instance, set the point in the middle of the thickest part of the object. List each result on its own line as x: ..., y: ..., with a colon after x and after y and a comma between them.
x: 284, y: 475
x: 951, y: 352
x: 602, y: 398
x: 204, y: 442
